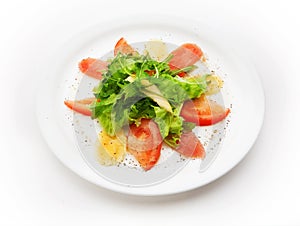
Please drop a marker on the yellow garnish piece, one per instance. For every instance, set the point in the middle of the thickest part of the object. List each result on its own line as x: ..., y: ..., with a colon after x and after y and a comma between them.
x: 111, y: 150
x: 214, y: 84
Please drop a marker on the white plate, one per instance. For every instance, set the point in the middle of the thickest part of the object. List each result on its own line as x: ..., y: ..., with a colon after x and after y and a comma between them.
x: 242, y: 91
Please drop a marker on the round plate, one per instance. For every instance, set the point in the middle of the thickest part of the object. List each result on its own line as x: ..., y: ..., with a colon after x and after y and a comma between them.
x: 242, y: 92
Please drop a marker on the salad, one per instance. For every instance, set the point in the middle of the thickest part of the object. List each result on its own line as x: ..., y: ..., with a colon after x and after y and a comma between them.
x: 142, y: 103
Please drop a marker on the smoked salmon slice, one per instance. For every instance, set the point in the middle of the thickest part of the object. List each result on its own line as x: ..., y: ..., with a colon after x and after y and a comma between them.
x: 123, y: 47
x: 185, y: 55
x: 93, y: 67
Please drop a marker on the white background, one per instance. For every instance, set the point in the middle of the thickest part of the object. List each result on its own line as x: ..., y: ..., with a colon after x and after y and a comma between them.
x: 36, y: 189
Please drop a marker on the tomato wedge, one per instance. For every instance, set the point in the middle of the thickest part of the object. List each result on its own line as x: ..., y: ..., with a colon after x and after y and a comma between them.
x: 184, y: 56
x: 203, y: 112
x: 190, y: 146
x: 144, y: 142
x: 123, y: 47
x: 93, y: 67
x: 80, y: 106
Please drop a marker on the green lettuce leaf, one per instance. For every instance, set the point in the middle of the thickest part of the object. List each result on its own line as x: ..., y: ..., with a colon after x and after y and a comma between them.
x: 125, y: 97
x: 168, y: 122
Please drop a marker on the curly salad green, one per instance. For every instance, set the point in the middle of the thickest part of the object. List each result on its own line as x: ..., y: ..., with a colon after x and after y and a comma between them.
x: 136, y: 86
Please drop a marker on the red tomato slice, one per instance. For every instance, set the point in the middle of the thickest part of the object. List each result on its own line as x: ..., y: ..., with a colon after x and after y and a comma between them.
x: 93, y: 67
x: 190, y: 146
x: 185, y: 55
x: 144, y: 142
x: 203, y: 112
x: 80, y: 106
x: 123, y: 47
